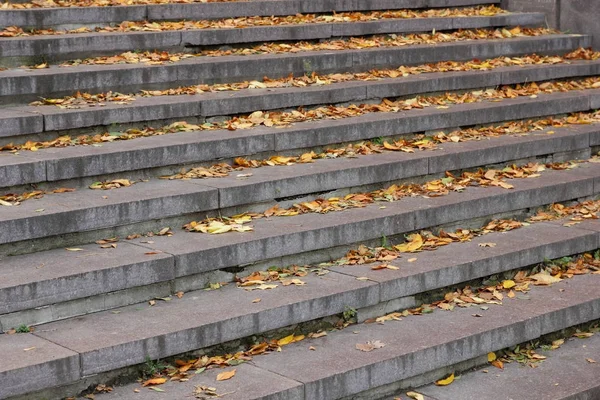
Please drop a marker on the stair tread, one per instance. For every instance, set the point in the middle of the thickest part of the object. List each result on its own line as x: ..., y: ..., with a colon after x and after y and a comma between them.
x: 248, y: 100
x: 321, y: 296
x: 181, y: 147
x: 88, y: 209
x: 55, y: 79
x: 170, y: 11
x: 280, y: 236
x: 565, y: 373
x: 338, y: 369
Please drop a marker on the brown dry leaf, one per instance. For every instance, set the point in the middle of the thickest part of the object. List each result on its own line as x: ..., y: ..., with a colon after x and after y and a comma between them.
x: 591, y: 361
x: 415, y: 395
x: 487, y: 244
x: 498, y: 364
x: 370, y: 345
x: 223, y: 376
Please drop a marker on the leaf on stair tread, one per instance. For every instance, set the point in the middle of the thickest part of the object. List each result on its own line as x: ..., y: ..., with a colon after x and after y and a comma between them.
x: 415, y: 395
x: 226, y: 375
x: 154, y: 381
x: 370, y: 345
x: 446, y: 381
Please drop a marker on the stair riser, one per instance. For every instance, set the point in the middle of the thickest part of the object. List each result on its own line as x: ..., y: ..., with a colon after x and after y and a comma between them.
x: 18, y: 86
x: 55, y: 165
x: 60, y: 301
x: 80, y: 212
x: 28, y: 50
x: 165, y: 267
x: 162, y: 109
x: 68, y: 18
x: 498, y: 335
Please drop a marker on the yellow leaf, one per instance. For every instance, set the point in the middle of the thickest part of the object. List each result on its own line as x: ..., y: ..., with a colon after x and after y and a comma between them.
x: 491, y: 356
x: 415, y: 395
x: 223, y: 376
x: 415, y: 243
x: 544, y: 278
x: 508, y: 284
x: 445, y: 381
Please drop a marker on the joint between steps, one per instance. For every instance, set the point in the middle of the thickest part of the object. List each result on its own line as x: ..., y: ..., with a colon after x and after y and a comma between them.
x: 79, y: 355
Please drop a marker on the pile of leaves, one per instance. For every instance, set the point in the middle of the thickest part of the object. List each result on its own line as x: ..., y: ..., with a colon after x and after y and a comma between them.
x: 79, y: 100
x: 247, y: 22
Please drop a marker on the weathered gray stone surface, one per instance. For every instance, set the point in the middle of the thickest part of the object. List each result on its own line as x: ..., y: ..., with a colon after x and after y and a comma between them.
x: 578, y: 16
x: 226, y: 103
x: 31, y: 84
x: 249, y: 383
x: 453, y: 264
x: 40, y: 279
x: 71, y: 46
x: 91, y: 16
x: 564, y: 375
x: 417, y: 345
x: 278, y: 237
x: 30, y: 363
x: 201, y: 319
x: 87, y: 209
x: 188, y: 147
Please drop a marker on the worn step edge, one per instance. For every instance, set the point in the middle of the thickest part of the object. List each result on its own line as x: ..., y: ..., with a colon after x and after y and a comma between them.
x: 145, y: 109
x: 59, y: 164
x: 365, y: 377
x: 71, y: 17
x: 89, y: 210
x: 188, y: 254
x: 16, y: 85
x: 449, y: 338
x: 564, y: 375
x: 71, y: 46
x: 135, y: 334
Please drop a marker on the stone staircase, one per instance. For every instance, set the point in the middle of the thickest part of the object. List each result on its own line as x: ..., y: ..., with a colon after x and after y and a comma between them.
x: 150, y: 170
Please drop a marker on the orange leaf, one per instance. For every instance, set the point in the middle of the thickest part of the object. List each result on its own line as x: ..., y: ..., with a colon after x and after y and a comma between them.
x: 223, y: 376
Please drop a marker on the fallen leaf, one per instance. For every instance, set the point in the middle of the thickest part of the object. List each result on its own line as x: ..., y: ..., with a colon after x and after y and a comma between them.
x: 591, y: 361
x: 508, y: 284
x: 256, y: 301
x: 491, y: 356
x: 544, y: 278
x: 370, y: 346
x: 73, y: 249
x: 154, y: 381
x: 487, y: 244
x: 415, y: 395
x: 223, y: 376
x: 445, y: 381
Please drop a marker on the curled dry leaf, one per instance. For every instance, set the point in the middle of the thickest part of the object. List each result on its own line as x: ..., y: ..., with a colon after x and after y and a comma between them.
x: 415, y: 395
x: 446, y: 381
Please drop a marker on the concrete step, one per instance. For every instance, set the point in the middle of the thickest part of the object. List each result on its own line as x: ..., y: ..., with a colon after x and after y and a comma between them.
x: 72, y: 349
x: 73, y: 17
x: 18, y: 85
x: 155, y: 201
x: 185, y: 261
x: 53, y: 48
x: 143, y: 110
x: 77, y: 162
x: 565, y: 374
